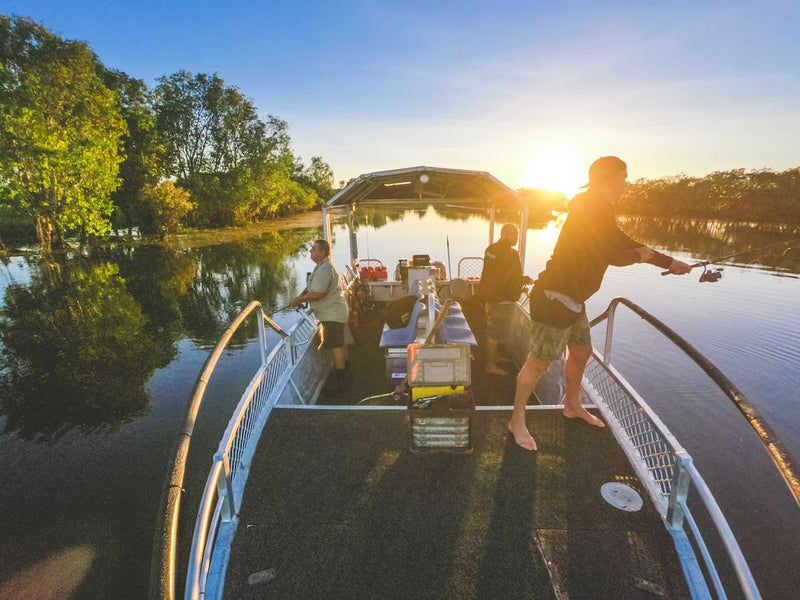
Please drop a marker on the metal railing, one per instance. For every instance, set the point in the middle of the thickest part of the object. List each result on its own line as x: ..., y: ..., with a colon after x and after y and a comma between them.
x: 222, y: 495
x: 665, y: 468
x: 470, y: 267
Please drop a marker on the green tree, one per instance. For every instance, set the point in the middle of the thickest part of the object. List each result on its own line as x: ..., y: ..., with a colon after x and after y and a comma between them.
x: 185, y: 108
x: 318, y: 176
x: 735, y: 195
x: 237, y: 167
x: 62, y: 130
x: 144, y: 153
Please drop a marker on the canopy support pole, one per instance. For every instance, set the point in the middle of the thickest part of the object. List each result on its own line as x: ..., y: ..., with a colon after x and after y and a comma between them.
x: 326, y: 224
x: 353, y: 240
x: 523, y: 233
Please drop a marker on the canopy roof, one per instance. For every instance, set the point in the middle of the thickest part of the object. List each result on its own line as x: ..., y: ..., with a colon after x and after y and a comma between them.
x: 428, y: 185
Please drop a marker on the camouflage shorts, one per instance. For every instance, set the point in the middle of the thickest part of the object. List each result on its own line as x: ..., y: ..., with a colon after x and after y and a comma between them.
x: 549, y: 342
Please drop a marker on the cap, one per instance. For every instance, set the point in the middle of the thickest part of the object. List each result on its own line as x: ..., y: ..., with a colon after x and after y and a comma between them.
x: 603, y: 168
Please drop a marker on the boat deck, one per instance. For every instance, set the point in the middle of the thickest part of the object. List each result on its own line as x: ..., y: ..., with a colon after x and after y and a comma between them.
x: 368, y: 365
x: 339, y: 507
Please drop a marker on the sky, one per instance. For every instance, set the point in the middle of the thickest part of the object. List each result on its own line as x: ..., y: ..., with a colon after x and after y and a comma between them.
x: 531, y: 91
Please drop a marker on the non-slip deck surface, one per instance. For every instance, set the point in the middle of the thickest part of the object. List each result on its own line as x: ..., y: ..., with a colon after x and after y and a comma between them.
x: 340, y: 508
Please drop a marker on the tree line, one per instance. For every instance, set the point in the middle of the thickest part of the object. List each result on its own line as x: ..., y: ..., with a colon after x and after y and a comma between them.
x: 86, y: 148
x: 762, y: 196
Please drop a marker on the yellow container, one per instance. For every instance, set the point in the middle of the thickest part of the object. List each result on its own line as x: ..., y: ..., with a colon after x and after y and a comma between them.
x: 441, y: 390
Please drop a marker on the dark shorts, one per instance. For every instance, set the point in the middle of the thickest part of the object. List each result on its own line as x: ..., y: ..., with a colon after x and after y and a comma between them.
x: 332, y: 334
x: 498, y: 319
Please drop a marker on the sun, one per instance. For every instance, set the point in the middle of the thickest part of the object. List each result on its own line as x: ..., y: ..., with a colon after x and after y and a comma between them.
x: 555, y: 170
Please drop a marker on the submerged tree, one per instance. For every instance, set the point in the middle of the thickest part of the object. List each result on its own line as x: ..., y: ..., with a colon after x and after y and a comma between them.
x: 62, y: 130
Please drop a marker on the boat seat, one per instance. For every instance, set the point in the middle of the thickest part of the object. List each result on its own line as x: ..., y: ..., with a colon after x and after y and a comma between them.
x: 454, y: 310
x: 402, y: 336
x: 455, y: 329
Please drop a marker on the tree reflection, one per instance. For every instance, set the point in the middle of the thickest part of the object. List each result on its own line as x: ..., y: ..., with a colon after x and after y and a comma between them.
x: 708, y: 240
x: 231, y: 275
x: 79, y: 343
x: 77, y: 352
x: 159, y: 279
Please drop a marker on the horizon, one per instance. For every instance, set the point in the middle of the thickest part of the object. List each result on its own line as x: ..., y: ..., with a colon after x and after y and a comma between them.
x: 688, y: 89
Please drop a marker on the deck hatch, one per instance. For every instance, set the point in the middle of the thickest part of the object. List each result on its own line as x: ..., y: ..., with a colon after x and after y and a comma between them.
x: 621, y: 496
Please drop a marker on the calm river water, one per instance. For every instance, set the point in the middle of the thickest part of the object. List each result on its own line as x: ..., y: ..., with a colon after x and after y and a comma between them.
x: 100, y: 358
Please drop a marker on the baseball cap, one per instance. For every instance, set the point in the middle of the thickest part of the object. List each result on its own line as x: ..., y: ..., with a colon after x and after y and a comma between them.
x: 603, y: 168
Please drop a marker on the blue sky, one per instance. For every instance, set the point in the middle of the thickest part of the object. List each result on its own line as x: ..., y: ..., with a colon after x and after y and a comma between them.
x: 530, y: 91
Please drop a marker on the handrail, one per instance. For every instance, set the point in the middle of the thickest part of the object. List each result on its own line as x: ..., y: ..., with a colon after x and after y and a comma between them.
x: 667, y: 472
x: 162, y: 568
x: 163, y: 565
x: 773, y: 444
x: 217, y: 515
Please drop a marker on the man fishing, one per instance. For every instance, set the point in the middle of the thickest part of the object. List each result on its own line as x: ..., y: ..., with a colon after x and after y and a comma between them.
x: 590, y: 241
x: 327, y: 299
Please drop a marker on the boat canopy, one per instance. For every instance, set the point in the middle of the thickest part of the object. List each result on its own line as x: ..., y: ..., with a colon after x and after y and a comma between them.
x: 427, y: 185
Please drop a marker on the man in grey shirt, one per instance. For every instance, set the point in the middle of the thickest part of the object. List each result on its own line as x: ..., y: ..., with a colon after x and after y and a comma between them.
x: 326, y: 298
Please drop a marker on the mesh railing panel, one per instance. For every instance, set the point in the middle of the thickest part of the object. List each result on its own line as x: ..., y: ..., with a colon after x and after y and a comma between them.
x: 267, y: 384
x: 652, y: 448
x: 470, y: 267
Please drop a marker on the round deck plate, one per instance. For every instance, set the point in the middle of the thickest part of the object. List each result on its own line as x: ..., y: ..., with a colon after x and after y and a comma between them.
x: 621, y: 496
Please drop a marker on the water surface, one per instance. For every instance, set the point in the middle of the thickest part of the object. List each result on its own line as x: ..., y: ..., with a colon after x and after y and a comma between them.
x: 99, y: 360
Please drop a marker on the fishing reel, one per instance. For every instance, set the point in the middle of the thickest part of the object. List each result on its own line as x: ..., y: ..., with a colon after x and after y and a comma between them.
x: 710, y: 275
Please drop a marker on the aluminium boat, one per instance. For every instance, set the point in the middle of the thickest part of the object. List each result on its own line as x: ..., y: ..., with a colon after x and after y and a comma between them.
x: 407, y: 484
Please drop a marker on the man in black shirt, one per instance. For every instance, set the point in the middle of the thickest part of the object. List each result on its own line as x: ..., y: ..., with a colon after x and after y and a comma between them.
x: 589, y: 242
x: 501, y: 285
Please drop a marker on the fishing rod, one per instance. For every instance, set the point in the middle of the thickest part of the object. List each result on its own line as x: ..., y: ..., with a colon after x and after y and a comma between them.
x: 716, y: 274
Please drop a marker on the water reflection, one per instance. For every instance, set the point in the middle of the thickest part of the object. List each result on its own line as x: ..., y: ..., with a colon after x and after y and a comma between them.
x: 76, y: 351
x: 231, y: 275
x: 711, y: 239
x: 79, y: 343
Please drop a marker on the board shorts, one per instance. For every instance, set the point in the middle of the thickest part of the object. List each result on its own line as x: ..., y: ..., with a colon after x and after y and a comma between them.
x: 332, y: 334
x: 554, y: 327
x: 498, y: 319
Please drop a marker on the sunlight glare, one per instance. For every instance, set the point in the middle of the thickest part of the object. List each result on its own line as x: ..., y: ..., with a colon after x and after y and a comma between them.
x: 555, y: 170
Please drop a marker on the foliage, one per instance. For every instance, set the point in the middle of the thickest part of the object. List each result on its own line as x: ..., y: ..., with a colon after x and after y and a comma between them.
x: 15, y: 226
x: 737, y: 195
x: 318, y: 176
x: 238, y: 168
x: 144, y: 152
x: 82, y: 142
x: 60, y: 149
x: 162, y: 208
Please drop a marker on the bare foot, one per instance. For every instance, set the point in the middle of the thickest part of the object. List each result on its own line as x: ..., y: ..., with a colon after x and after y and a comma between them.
x: 522, y: 436
x: 582, y: 413
x: 497, y: 371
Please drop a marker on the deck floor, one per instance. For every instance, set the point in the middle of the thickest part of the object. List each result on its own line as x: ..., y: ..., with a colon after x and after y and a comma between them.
x: 340, y: 508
